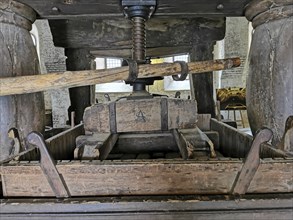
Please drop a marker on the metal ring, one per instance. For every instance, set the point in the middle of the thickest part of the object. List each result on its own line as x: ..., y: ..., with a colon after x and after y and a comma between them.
x: 184, y: 71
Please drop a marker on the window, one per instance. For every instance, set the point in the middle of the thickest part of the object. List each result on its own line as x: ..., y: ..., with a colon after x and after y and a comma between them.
x: 113, y: 87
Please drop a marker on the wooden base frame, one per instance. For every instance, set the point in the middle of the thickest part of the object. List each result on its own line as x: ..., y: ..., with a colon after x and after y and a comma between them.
x: 214, y: 176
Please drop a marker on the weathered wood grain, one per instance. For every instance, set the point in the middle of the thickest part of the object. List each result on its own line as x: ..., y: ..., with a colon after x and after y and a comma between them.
x: 204, y: 122
x: 137, y: 115
x: 68, y: 79
x: 273, y: 176
x: 232, y: 142
x: 144, y: 178
x: 141, y: 115
x: 237, y: 144
x: 269, y: 92
x: 86, y: 179
x: 18, y: 57
x: 116, y: 34
x: 145, y: 143
x: 62, y: 145
x: 111, y: 8
x: 151, y: 52
x: 256, y: 7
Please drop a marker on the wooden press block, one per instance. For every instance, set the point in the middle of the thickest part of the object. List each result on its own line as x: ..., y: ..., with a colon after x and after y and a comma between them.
x: 142, y: 115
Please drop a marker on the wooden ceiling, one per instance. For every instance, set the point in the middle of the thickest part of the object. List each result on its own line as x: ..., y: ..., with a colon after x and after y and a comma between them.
x: 52, y: 9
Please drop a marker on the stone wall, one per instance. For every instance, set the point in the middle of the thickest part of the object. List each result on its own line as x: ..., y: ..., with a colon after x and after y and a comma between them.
x: 52, y: 59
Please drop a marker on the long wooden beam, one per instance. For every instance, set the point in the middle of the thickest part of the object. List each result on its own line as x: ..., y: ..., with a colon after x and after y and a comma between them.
x: 37, y: 83
x: 155, y: 177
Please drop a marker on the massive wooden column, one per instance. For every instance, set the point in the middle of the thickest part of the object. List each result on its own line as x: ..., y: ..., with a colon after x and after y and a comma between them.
x: 80, y: 97
x: 270, y: 80
x: 202, y: 86
x: 18, y: 57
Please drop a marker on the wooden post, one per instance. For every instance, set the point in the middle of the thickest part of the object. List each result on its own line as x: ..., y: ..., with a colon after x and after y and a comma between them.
x: 270, y: 77
x: 84, y: 96
x: 18, y: 57
x: 202, y: 87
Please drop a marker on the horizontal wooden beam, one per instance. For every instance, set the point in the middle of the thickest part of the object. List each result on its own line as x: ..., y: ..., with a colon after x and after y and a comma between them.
x: 146, y: 207
x: 116, y: 34
x: 37, y: 83
x: 150, y: 52
x: 61, y: 9
x: 152, y: 177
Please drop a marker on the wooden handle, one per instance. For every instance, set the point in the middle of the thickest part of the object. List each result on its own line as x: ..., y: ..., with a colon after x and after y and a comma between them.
x: 68, y: 79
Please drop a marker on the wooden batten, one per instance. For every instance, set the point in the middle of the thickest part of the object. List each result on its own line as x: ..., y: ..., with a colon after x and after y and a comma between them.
x: 145, y: 178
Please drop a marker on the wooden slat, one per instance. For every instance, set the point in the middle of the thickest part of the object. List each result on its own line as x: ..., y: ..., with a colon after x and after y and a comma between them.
x: 204, y: 122
x: 142, y: 178
x: 125, y: 179
x: 30, y: 84
x: 273, y: 176
x: 234, y: 143
x: 62, y: 145
x: 161, y: 33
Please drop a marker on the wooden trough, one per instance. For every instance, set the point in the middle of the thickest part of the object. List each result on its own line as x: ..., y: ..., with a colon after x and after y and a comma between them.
x: 156, y: 177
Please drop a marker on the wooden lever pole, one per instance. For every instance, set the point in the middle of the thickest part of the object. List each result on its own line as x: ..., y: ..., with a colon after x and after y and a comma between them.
x: 68, y: 79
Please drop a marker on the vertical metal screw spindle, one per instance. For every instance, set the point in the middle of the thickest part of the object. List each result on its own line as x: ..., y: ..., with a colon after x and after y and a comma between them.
x: 138, y: 39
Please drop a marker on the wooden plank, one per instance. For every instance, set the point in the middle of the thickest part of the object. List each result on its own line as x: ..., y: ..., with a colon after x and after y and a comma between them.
x: 161, y: 33
x: 145, y: 143
x: 234, y: 143
x: 107, y: 146
x: 181, y: 143
x: 90, y: 179
x: 182, y: 114
x: 227, y: 144
x: 141, y: 178
x: 204, y: 122
x: 30, y: 84
x: 273, y: 176
x: 144, y: 208
x: 22, y: 185
x: 142, y: 115
x: 151, y: 52
x: 111, y: 8
x: 62, y: 145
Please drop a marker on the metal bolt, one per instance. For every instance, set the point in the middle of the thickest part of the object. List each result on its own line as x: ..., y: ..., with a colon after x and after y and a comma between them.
x: 55, y: 9
x: 220, y: 6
